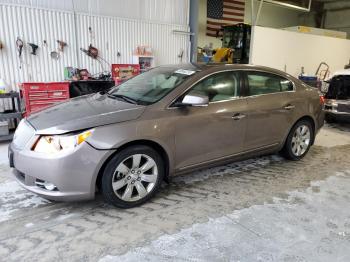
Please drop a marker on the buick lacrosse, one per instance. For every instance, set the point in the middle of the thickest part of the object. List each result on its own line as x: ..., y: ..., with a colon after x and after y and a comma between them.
x: 167, y: 121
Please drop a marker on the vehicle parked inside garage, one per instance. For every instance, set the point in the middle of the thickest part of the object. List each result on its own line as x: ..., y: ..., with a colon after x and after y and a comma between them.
x: 337, y: 98
x: 169, y: 120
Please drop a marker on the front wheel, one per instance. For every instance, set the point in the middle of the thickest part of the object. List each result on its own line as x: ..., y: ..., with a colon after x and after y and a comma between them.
x: 299, y: 140
x: 132, y: 176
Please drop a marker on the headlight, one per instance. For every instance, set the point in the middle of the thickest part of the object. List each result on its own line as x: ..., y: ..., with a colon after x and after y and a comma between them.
x: 57, y: 143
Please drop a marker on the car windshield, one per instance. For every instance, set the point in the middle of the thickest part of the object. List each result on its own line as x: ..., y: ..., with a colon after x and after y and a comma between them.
x: 151, y: 86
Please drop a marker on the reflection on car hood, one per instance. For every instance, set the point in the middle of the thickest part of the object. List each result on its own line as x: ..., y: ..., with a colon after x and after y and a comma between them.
x: 82, y: 113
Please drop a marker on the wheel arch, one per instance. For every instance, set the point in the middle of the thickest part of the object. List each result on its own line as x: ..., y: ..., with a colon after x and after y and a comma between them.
x: 156, y: 146
x: 305, y: 117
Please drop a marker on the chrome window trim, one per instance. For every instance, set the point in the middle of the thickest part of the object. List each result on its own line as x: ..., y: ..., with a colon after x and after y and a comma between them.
x: 238, y: 97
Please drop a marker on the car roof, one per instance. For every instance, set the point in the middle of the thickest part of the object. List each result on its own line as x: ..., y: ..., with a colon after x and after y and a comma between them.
x: 222, y: 66
x: 344, y: 72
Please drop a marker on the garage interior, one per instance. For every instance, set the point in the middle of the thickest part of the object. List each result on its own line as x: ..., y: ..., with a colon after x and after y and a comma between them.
x: 264, y: 208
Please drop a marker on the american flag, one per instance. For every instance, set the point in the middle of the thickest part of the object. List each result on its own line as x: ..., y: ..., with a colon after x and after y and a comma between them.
x: 223, y: 12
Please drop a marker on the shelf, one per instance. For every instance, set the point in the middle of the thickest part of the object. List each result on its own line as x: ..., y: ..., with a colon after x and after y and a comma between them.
x: 9, y: 95
x: 7, y: 137
x: 6, y: 116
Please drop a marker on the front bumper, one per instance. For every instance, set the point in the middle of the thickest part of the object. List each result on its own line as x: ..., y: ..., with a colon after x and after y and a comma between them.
x: 74, y: 173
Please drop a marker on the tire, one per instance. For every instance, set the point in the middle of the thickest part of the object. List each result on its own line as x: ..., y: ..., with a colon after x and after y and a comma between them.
x: 132, y: 176
x: 296, y: 147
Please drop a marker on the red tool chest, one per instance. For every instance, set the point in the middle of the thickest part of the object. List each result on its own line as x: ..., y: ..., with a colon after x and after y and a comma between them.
x: 38, y: 96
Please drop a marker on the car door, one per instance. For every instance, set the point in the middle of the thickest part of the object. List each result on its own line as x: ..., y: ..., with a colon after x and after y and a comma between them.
x: 270, y: 109
x: 215, y: 131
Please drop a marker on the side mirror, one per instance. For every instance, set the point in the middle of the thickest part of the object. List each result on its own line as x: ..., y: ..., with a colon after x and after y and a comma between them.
x: 195, y: 100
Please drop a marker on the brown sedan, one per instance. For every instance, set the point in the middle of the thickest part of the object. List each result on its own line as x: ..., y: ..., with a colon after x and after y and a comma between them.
x: 169, y: 120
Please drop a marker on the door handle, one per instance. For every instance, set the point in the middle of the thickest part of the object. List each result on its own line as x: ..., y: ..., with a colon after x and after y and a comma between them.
x: 289, y: 107
x: 238, y: 116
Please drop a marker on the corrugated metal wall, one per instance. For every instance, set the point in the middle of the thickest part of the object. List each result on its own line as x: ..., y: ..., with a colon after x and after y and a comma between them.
x: 165, y: 11
x: 109, y: 34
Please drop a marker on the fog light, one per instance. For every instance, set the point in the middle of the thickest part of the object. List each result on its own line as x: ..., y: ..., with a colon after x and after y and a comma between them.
x: 44, y: 184
x: 49, y: 186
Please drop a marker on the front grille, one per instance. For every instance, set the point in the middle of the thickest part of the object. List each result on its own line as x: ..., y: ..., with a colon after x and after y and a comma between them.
x: 343, y: 108
x: 23, y: 134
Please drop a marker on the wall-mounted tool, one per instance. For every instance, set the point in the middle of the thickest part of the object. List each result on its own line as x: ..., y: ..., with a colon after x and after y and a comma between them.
x: 181, y: 55
x: 61, y: 45
x: 1, y: 45
x: 91, y: 51
x: 55, y: 55
x: 34, y: 48
x: 94, y: 54
x: 19, y: 45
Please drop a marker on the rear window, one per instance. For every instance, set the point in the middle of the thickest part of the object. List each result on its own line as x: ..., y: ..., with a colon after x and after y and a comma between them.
x: 339, y: 88
x: 264, y: 83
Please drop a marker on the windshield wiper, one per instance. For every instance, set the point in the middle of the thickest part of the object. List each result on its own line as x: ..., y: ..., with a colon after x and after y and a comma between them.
x: 124, y: 98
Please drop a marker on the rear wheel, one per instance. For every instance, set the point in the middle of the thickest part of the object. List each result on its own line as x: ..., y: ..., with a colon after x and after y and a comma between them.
x: 132, y: 176
x: 299, y: 140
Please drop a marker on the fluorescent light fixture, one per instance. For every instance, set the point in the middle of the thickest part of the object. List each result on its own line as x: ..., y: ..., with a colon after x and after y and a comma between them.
x: 300, y: 5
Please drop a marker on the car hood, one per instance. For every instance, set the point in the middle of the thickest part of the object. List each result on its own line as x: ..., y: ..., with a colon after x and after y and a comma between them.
x: 82, y: 113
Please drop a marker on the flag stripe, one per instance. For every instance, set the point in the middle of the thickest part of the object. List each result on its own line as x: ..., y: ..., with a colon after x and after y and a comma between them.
x: 226, y: 12
x: 233, y: 17
x: 242, y: 3
x: 223, y: 12
x: 236, y: 8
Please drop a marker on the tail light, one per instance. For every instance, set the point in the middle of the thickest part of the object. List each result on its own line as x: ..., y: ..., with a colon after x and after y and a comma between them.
x: 322, y: 100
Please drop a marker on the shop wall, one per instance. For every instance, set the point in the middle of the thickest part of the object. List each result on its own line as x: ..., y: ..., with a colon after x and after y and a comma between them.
x: 109, y: 34
x: 165, y: 11
x: 289, y: 51
x: 271, y: 16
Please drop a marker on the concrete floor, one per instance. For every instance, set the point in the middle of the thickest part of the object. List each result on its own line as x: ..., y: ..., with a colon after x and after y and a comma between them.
x: 262, y: 209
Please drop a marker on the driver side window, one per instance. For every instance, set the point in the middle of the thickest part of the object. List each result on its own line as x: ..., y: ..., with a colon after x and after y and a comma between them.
x: 219, y: 87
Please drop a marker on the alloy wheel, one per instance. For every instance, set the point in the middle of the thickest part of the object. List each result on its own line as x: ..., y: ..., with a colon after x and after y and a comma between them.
x: 135, y: 177
x: 301, y: 140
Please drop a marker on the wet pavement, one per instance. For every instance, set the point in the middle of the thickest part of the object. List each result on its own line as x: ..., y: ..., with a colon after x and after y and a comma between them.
x: 261, y: 209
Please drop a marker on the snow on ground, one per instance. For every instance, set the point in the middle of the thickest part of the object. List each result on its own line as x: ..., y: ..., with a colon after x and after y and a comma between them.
x: 307, y: 226
x: 13, y: 198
